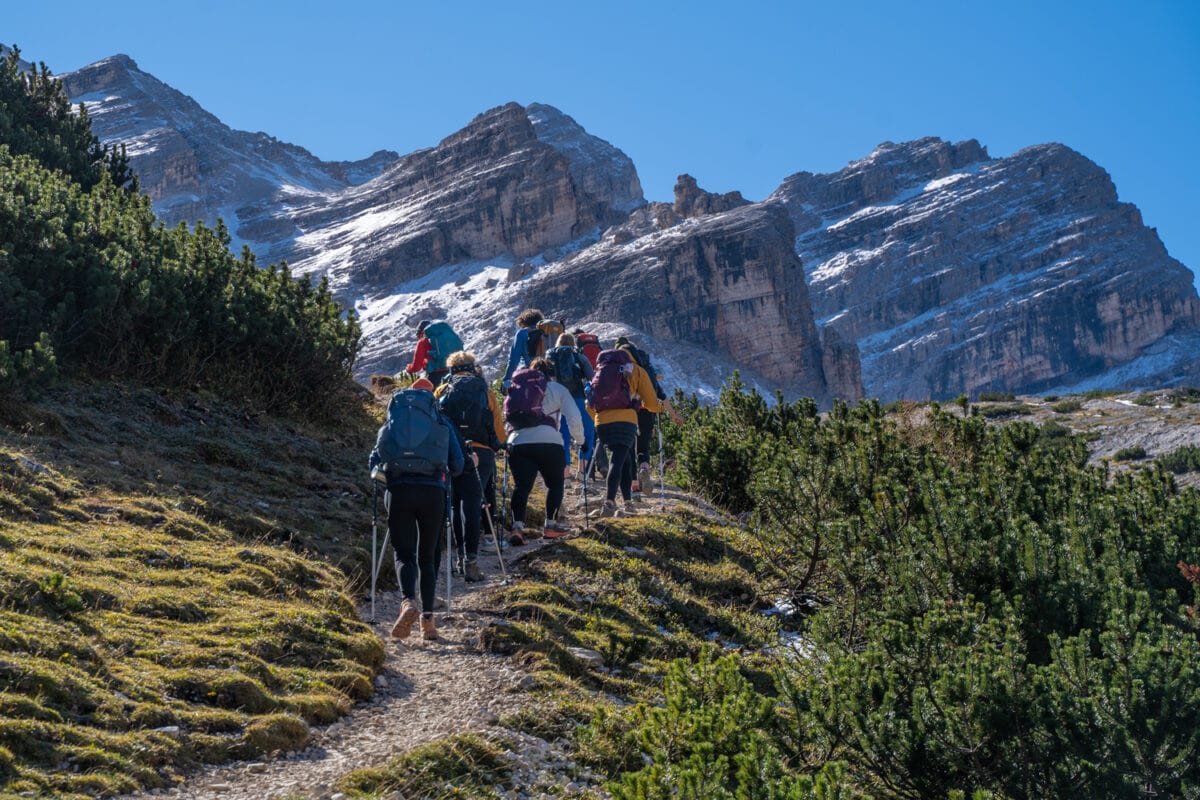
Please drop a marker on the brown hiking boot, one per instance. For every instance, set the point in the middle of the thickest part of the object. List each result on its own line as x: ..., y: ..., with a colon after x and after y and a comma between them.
x: 428, y: 629
x: 404, y: 622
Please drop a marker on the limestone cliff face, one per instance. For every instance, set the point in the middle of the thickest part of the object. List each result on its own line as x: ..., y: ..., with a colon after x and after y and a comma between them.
x: 193, y: 166
x: 728, y: 282
x: 492, y: 189
x: 954, y: 272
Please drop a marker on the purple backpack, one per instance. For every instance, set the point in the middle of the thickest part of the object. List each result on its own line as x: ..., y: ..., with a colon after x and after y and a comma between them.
x: 523, y: 403
x: 610, y: 389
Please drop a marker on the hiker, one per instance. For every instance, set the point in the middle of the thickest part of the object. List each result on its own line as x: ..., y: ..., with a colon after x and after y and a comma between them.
x: 647, y: 417
x: 588, y: 344
x: 487, y: 464
x: 435, y: 342
x: 619, y: 388
x: 463, y: 399
x: 416, y: 447
x: 518, y: 354
x: 574, y: 371
x: 532, y: 411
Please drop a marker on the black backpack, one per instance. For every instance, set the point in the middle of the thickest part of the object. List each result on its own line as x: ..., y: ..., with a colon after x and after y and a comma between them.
x: 566, y: 369
x: 643, y: 360
x: 464, y: 402
x: 416, y: 442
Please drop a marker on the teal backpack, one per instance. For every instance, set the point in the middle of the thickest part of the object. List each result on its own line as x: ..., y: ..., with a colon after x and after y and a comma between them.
x: 416, y: 442
x: 442, y: 342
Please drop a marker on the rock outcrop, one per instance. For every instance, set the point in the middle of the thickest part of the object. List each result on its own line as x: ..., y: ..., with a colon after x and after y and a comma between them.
x: 192, y: 165
x: 729, y: 283
x: 954, y: 272
x: 926, y: 270
x: 493, y: 189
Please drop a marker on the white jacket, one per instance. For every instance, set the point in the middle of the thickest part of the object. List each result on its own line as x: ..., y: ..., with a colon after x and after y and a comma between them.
x: 557, y: 403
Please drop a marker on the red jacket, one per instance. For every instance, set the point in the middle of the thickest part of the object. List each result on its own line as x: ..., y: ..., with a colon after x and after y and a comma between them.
x: 420, y: 357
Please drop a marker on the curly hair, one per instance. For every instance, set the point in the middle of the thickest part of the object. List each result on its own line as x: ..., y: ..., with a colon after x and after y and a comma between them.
x: 461, y: 361
x: 529, y: 317
x: 544, y: 366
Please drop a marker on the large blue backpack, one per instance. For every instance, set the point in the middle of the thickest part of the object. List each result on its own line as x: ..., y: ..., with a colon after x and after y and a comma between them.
x: 442, y: 342
x: 566, y: 368
x: 416, y: 442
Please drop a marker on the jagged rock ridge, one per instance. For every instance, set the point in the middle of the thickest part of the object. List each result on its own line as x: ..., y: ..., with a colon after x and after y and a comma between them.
x: 955, y: 272
x: 948, y: 271
x: 193, y: 166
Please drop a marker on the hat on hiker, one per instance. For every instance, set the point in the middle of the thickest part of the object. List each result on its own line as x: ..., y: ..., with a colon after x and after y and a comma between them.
x: 423, y: 384
x: 422, y: 325
x: 620, y: 341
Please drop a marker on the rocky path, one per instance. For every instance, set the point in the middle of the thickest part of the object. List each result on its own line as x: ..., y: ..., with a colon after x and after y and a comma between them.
x: 427, y: 690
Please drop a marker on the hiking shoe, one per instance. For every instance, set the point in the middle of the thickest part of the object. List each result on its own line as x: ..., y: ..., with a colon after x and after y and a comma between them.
x: 429, y: 631
x: 646, y: 479
x: 636, y: 486
x: 404, y: 622
x: 555, y: 530
x: 518, y: 533
x: 630, y: 509
x: 609, y: 509
x: 471, y: 571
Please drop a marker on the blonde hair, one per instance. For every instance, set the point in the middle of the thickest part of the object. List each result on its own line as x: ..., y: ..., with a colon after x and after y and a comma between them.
x: 566, y: 339
x: 460, y: 360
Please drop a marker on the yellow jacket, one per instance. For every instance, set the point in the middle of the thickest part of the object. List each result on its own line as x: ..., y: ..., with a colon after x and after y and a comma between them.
x: 640, y: 388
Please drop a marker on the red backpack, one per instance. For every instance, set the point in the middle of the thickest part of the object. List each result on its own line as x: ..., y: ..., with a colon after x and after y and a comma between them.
x: 589, y: 345
x: 610, y: 389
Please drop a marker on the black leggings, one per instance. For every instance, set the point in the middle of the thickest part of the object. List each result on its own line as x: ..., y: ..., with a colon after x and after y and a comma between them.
x: 468, y: 512
x: 526, y: 461
x: 620, y: 438
x: 487, y: 475
x: 416, y: 513
x: 646, y: 420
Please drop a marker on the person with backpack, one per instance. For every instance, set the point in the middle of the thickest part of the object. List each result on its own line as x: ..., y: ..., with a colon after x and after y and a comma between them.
x: 519, y: 354
x: 417, y: 449
x: 489, y: 476
x: 532, y: 411
x: 435, y: 342
x: 619, y: 388
x: 573, y: 371
x: 643, y: 481
x: 463, y: 399
x: 588, y: 344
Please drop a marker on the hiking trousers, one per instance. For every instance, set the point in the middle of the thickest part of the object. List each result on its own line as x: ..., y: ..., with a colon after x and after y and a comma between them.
x: 468, y: 511
x: 487, y: 477
x: 620, y: 438
x: 528, y: 460
x: 416, y: 514
x: 589, y: 431
x: 646, y: 421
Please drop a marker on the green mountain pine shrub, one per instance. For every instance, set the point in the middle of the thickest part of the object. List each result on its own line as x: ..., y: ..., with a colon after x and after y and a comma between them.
x: 91, y: 280
x: 988, y: 614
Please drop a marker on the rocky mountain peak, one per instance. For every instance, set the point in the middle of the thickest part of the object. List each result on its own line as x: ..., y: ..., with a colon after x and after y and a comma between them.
x: 692, y: 201
x: 597, y: 167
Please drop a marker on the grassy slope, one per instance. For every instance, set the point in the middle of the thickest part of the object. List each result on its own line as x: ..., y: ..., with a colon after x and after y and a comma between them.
x: 149, y: 617
x: 641, y: 591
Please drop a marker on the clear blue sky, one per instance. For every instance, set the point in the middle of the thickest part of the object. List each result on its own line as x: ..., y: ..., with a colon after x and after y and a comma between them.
x: 738, y: 94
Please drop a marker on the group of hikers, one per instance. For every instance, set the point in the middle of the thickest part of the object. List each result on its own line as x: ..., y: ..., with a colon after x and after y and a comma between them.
x: 564, y: 396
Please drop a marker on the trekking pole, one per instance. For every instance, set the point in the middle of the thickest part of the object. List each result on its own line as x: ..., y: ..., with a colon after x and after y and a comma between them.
x: 450, y: 541
x: 504, y: 491
x: 487, y: 514
x: 374, y: 535
x: 585, y: 482
x: 662, y: 481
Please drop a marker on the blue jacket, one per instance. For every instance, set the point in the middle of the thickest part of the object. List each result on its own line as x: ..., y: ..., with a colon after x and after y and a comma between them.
x: 454, y: 460
x: 518, y: 356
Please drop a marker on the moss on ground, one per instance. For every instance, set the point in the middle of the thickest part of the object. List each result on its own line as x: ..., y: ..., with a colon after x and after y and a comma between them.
x: 150, y: 620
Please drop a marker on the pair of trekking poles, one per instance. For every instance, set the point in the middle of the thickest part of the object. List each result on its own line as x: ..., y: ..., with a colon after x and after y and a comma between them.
x: 662, y: 481
x: 377, y: 552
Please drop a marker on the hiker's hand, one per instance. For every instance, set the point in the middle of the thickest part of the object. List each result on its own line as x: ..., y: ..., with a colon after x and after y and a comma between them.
x: 474, y: 458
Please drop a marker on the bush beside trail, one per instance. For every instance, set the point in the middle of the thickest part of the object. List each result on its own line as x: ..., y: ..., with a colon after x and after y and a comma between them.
x: 92, y: 283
